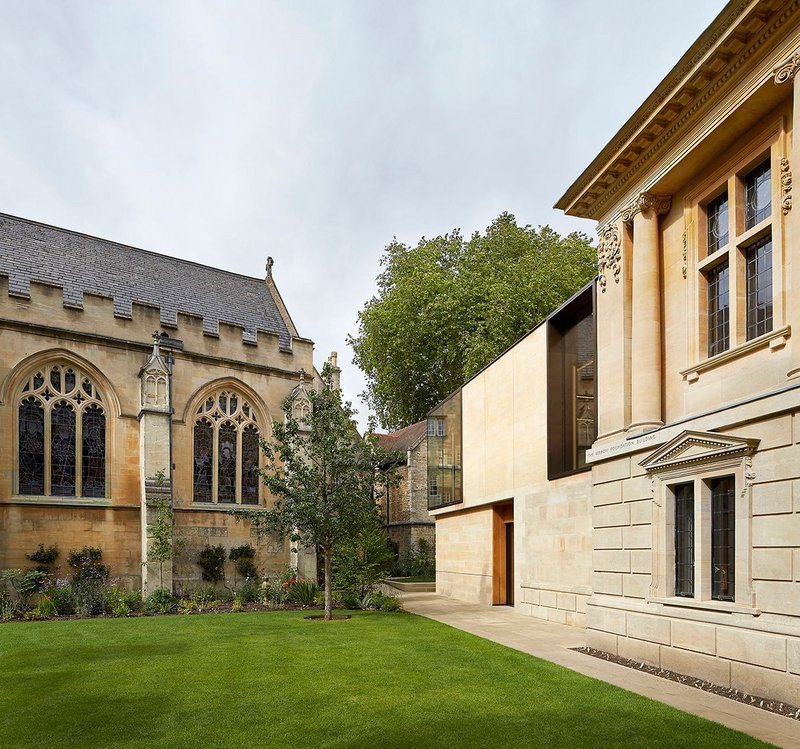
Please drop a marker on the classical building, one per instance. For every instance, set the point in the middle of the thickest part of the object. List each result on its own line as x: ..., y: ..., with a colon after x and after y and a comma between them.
x: 691, y: 519
x: 405, y: 506
x: 103, y: 419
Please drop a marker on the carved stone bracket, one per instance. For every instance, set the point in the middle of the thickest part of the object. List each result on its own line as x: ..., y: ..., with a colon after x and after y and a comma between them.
x: 647, y: 202
x: 787, y: 70
x: 749, y: 475
x: 608, y: 254
x: 786, y: 186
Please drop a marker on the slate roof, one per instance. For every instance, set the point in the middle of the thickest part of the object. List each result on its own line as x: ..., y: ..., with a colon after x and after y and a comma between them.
x: 404, y: 439
x: 30, y: 251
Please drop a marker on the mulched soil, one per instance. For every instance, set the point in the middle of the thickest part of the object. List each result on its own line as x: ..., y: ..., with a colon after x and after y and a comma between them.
x: 781, y: 708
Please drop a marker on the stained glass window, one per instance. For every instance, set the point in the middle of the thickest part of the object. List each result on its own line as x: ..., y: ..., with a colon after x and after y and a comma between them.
x: 203, y: 460
x: 250, y: 478
x: 62, y: 435
x: 226, y: 490
x: 94, y: 452
x: 226, y: 450
x: 31, y: 447
x: 62, y: 450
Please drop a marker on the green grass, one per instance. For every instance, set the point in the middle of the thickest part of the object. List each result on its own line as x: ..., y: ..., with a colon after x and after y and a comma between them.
x: 276, y: 679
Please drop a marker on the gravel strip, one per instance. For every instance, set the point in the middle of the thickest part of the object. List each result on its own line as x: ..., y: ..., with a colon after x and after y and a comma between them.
x: 781, y: 708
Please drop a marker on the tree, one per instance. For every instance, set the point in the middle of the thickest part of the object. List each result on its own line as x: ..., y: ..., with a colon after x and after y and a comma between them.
x: 323, y: 474
x: 449, y: 306
x: 161, y: 531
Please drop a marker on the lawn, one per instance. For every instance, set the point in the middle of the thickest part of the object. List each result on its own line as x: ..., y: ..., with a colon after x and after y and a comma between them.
x: 276, y: 679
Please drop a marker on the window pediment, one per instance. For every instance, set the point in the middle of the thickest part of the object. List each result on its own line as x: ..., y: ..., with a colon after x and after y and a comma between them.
x: 696, y: 448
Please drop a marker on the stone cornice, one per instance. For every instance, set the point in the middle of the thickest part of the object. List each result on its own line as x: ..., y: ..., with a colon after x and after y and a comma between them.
x: 645, y: 202
x: 740, y: 32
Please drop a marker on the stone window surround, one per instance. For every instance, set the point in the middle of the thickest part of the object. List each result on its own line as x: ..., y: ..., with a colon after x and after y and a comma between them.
x: 662, y: 587
x: 254, y: 418
x: 772, y: 139
x: 44, y: 365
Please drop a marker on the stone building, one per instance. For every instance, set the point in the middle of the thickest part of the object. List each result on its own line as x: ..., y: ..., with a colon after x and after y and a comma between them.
x: 692, y: 486
x: 405, y: 506
x: 509, y: 485
x: 101, y: 417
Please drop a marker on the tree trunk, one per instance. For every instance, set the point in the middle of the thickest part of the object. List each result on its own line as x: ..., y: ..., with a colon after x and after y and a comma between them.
x: 328, y: 593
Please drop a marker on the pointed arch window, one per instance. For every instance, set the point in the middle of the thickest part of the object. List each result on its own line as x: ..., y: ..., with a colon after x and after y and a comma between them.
x: 61, y: 438
x: 226, y: 450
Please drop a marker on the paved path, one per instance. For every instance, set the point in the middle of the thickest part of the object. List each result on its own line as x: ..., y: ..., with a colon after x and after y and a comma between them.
x: 552, y: 642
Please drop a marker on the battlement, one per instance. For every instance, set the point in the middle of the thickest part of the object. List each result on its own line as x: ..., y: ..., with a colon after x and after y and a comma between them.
x: 49, y: 305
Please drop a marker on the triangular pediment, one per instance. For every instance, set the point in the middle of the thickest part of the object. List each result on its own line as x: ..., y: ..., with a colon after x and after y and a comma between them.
x: 697, y: 447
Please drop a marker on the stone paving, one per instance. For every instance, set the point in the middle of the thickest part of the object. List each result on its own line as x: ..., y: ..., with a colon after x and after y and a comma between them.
x: 552, y: 642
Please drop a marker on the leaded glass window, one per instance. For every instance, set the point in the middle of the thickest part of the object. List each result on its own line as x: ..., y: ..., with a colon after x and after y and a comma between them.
x: 226, y: 450
x: 723, y: 539
x: 61, y: 446
x: 759, y: 288
x: 718, y: 310
x: 757, y: 195
x: 717, y: 219
x: 684, y: 540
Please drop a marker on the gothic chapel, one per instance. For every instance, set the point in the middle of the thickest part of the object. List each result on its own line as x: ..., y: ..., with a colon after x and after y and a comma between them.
x: 127, y: 376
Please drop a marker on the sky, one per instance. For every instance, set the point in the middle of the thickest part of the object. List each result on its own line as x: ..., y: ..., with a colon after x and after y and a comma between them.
x: 316, y: 132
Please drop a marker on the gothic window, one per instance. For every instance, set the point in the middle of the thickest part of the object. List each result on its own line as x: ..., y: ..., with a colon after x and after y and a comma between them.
x: 226, y: 450
x: 61, y: 447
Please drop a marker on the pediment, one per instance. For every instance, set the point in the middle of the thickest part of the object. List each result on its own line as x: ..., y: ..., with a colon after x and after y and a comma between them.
x: 690, y: 448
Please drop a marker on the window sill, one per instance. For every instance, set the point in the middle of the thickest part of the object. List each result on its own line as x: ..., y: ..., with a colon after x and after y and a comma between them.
x: 727, y: 607
x: 219, y: 507
x: 29, y: 499
x: 775, y: 339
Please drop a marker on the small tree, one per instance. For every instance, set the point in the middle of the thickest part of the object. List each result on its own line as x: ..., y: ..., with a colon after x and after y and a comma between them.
x: 323, y: 474
x: 163, y: 544
x: 362, y: 561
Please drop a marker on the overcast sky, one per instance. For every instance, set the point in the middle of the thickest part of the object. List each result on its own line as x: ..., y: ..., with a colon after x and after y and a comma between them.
x: 314, y: 132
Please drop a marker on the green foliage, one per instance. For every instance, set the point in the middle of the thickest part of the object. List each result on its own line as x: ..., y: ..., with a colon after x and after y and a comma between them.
x: 161, y: 530
x: 249, y: 590
x: 87, y: 567
x: 161, y: 601
x: 64, y: 599
x: 243, y: 557
x: 17, y: 589
x: 449, y: 306
x: 323, y: 474
x: 377, y: 601
x: 211, y: 561
x: 123, y: 602
x: 45, y: 608
x: 89, y: 576
x: 303, y: 591
x: 361, y: 561
x: 420, y: 560
x: 45, y: 559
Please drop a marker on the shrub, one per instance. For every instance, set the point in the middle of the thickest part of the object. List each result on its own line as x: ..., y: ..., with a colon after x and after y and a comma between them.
x: 19, y: 587
x: 63, y: 597
x: 87, y: 567
x: 377, y: 601
x: 202, y: 595
x: 362, y: 561
x: 160, y: 601
x: 211, y: 561
x: 243, y: 557
x: 249, y: 591
x: 188, y: 607
x: 303, y: 591
x: 350, y: 601
x: 419, y: 560
x: 44, y: 558
x: 45, y: 608
x: 123, y: 602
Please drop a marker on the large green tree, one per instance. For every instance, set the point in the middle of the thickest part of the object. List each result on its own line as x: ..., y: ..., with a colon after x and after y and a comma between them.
x: 449, y: 306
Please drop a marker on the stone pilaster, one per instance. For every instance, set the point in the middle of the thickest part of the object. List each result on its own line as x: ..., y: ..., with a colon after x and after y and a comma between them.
x: 613, y: 330
x: 646, y: 373
x: 787, y: 73
x: 155, y: 424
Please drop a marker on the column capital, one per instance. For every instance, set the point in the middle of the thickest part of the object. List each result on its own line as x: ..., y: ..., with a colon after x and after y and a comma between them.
x: 644, y: 202
x: 787, y: 70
